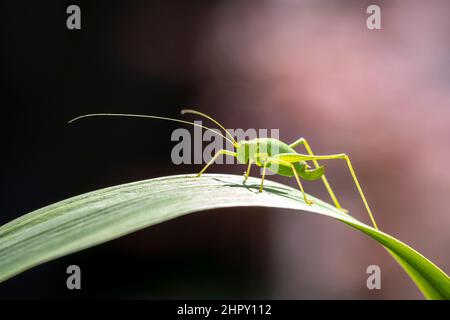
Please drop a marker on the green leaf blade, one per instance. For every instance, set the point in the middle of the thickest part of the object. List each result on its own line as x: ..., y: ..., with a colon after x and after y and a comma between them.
x: 99, y: 216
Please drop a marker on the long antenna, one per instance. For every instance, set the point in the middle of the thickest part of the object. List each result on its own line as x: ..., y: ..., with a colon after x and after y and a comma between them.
x: 210, y: 118
x: 152, y: 117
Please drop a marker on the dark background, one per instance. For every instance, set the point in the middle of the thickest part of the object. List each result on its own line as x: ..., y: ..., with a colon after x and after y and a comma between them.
x: 50, y: 75
x: 309, y: 68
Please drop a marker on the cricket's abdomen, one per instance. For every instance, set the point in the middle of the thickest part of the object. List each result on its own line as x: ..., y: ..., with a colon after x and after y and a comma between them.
x: 272, y: 147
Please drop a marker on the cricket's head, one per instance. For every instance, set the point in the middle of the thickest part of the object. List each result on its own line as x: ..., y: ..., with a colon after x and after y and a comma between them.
x: 246, y: 150
x: 242, y: 150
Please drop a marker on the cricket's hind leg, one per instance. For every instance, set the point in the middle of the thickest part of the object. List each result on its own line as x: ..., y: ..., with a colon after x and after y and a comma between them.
x: 303, y: 157
x: 304, y: 142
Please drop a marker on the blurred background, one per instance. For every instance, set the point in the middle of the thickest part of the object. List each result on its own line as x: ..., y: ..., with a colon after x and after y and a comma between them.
x: 308, y: 68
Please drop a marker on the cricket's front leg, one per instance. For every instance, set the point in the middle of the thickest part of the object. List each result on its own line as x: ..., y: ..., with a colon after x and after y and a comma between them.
x: 247, y: 173
x: 210, y: 162
x: 261, y: 159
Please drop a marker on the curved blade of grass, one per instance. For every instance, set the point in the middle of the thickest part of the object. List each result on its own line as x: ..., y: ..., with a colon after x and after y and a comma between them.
x: 92, y: 218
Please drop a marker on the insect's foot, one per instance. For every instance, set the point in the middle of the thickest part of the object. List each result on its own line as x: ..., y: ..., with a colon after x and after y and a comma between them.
x: 309, y: 202
x: 343, y: 210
